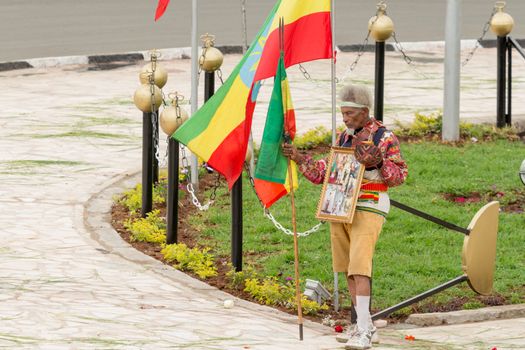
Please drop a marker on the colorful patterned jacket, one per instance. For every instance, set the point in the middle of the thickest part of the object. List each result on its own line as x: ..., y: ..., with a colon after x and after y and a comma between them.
x: 392, y: 172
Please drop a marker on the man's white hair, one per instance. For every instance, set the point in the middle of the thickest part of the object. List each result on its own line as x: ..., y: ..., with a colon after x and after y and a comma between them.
x: 356, y: 93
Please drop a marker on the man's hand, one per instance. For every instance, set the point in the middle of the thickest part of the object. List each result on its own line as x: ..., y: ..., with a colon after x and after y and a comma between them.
x: 368, y: 154
x: 289, y: 151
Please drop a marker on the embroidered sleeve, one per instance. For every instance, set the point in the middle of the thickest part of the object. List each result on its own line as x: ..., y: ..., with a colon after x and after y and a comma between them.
x: 394, y: 170
x: 313, y: 170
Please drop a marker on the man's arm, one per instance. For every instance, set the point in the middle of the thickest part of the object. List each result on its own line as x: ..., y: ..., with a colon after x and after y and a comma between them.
x: 313, y: 170
x: 394, y: 169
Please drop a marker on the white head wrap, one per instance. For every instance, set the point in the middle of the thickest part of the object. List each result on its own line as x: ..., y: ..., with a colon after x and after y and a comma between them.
x: 351, y: 104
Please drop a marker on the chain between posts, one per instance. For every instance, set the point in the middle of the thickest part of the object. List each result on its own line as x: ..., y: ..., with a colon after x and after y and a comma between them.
x: 406, y: 58
x: 268, y: 214
x: 486, y: 28
x: 154, y: 55
x: 189, y: 186
x: 219, y: 75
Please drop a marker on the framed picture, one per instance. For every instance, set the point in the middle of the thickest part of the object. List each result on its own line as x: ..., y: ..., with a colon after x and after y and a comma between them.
x: 341, y: 186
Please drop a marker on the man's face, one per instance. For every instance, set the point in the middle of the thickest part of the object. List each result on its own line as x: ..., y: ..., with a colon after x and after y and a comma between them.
x: 355, y: 118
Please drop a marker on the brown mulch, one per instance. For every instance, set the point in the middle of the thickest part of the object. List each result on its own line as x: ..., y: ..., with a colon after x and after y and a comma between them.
x: 514, y: 205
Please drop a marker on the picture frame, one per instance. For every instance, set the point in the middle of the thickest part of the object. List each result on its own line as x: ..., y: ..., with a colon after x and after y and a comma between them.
x: 341, y: 186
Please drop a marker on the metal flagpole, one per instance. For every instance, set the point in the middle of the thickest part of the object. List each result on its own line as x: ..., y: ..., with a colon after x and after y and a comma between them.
x: 194, y: 87
x: 334, y: 130
x: 294, y: 218
x: 296, y: 254
x: 244, y: 49
x: 334, y: 121
x: 452, y: 71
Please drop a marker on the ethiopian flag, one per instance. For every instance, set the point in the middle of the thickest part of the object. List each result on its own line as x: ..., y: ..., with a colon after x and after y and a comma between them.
x: 271, y: 172
x: 218, y: 132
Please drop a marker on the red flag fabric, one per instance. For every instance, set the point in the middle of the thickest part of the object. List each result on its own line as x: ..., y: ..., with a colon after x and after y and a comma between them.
x: 161, y: 8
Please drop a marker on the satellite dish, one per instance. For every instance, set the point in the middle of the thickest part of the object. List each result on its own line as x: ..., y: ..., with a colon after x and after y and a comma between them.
x: 522, y: 172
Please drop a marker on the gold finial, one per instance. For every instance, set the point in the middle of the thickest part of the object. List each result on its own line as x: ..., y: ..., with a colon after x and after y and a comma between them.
x: 501, y: 22
x: 208, y: 40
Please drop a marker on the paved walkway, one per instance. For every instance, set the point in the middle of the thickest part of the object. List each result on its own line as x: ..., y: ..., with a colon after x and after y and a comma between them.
x: 67, y: 135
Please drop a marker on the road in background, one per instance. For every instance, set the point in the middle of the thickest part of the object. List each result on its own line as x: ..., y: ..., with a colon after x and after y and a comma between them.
x: 35, y: 28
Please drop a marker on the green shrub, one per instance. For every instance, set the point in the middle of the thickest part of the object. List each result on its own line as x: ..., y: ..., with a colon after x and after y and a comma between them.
x: 132, y: 199
x: 150, y: 229
x: 237, y: 278
x: 432, y: 124
x: 314, y: 137
x: 200, y: 262
x: 422, y: 125
x: 270, y: 291
x: 308, y: 306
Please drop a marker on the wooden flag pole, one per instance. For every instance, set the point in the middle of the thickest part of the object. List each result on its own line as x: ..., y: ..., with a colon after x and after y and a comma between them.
x: 296, y: 254
x: 288, y: 139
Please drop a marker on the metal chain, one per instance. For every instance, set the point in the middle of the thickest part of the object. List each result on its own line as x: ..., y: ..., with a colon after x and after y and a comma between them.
x: 189, y: 186
x: 361, y: 50
x: 163, y: 161
x: 195, y: 200
x: 288, y: 231
x: 219, y: 75
x: 201, y: 61
x: 268, y: 214
x: 154, y: 110
x: 486, y: 28
x: 409, y: 61
x: 305, y: 72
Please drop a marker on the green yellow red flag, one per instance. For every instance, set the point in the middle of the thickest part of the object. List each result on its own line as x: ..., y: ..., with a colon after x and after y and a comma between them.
x: 218, y: 132
x: 271, y: 172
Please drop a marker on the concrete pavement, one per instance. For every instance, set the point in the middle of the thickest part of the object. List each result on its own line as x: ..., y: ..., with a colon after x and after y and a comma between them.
x: 70, y: 138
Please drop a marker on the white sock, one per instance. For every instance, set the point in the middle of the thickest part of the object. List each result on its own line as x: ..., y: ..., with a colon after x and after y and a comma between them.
x: 363, y: 311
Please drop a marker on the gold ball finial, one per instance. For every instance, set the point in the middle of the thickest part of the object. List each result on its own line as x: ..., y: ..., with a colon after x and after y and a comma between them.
x: 142, y: 98
x: 501, y: 23
x: 172, y: 117
x: 380, y: 25
x: 211, y: 58
x: 161, y: 75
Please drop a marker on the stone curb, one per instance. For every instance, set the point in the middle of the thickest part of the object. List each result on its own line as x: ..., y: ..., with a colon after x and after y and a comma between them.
x: 185, y: 53
x: 97, y: 221
x: 464, y: 316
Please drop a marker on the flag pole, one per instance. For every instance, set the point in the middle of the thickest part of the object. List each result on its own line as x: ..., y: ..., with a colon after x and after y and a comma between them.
x: 294, y: 218
x: 194, y: 168
x: 296, y: 254
x: 334, y: 128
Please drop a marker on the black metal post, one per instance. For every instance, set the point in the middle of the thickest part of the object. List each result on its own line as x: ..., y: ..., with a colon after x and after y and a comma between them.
x: 155, y: 137
x: 379, y: 80
x: 429, y: 217
x: 500, y: 105
x: 420, y: 297
x: 172, y: 210
x: 147, y: 164
x: 237, y: 224
x: 508, y: 116
x: 209, y: 85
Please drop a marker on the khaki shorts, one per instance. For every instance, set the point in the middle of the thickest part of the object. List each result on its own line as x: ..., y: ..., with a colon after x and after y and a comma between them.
x: 353, y: 244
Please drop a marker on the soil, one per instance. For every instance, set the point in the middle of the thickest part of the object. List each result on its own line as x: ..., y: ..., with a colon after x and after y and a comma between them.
x: 190, y: 236
x: 513, y: 202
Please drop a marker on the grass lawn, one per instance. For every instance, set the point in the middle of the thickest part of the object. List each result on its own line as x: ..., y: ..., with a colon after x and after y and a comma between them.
x: 412, y: 254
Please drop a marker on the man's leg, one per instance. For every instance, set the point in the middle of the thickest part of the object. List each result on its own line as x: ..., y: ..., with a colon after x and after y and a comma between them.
x: 351, y: 288
x: 362, y: 292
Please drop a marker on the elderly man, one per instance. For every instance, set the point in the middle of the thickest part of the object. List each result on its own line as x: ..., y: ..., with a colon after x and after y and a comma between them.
x: 353, y: 244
